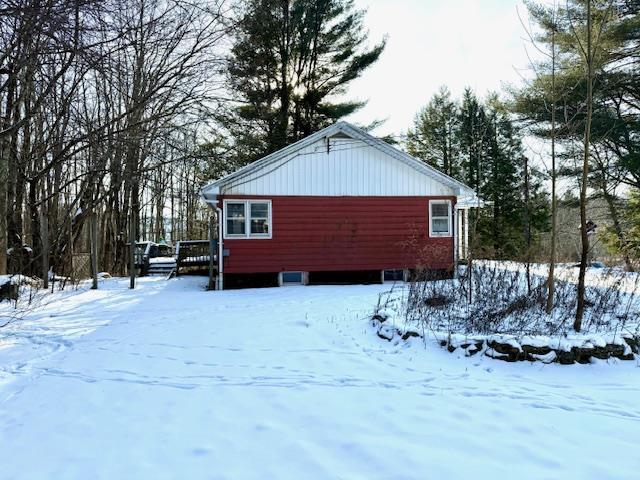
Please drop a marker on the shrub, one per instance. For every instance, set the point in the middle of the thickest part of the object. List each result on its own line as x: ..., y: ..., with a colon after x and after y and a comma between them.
x: 496, y: 298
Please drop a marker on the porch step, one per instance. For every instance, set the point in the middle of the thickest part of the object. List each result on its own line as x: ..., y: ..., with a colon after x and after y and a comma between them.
x: 162, y: 268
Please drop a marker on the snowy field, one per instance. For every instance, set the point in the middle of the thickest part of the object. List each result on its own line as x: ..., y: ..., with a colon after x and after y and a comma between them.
x: 172, y: 382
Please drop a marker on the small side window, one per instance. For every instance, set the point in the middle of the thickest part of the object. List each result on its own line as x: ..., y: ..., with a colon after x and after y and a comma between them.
x: 440, y: 218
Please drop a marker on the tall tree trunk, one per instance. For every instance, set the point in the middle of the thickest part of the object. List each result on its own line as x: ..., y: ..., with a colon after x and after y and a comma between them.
x: 551, y: 284
x: 15, y: 179
x: 4, y: 183
x: 36, y: 239
x: 527, y: 223
x: 584, y: 236
x: 285, y: 91
x: 3, y: 207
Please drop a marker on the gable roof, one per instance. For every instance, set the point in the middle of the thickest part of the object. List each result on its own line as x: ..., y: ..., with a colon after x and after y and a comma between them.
x: 341, y: 129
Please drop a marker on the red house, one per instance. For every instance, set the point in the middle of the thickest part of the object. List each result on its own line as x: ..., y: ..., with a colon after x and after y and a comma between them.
x: 339, y: 205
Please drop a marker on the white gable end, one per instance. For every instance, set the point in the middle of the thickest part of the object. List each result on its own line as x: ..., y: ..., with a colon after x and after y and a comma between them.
x: 350, y: 168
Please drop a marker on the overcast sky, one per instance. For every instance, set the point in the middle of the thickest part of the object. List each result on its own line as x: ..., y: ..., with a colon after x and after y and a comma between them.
x: 458, y: 43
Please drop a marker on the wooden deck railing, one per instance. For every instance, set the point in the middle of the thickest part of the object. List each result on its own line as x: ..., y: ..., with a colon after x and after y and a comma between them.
x: 194, y: 253
x: 141, y: 260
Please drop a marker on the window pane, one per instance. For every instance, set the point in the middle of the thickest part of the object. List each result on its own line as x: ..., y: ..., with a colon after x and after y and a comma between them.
x: 235, y: 210
x: 259, y: 210
x: 235, y: 227
x: 439, y: 209
x: 440, y: 225
x: 259, y: 226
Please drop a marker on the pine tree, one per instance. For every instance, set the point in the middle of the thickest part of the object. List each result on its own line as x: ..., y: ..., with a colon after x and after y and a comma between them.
x: 433, y: 136
x: 627, y: 244
x: 483, y: 148
x: 503, y: 176
x: 290, y: 63
x: 632, y: 225
x: 473, y: 136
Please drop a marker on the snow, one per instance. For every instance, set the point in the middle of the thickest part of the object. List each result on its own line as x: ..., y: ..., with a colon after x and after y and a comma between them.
x: 18, y: 279
x: 625, y: 281
x: 198, y: 258
x: 171, y: 381
x: 14, y: 279
x: 162, y: 260
x: 547, y: 357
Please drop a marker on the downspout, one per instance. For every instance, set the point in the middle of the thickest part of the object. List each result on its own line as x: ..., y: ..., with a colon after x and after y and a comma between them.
x: 213, y: 202
x: 220, y: 248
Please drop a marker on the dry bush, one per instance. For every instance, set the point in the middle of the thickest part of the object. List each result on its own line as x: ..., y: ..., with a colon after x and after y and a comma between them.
x: 493, y: 298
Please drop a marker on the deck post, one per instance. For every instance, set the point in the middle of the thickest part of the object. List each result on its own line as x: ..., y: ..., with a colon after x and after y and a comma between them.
x: 178, y: 258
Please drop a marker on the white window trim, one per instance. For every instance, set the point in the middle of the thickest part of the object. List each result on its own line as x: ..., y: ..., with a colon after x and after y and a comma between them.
x: 247, y: 220
x: 449, y: 232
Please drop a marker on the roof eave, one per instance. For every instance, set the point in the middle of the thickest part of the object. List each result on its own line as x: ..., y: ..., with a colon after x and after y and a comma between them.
x: 275, y: 156
x: 458, y: 187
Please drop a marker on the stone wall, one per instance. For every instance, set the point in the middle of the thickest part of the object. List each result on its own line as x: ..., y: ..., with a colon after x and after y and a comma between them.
x: 511, y: 349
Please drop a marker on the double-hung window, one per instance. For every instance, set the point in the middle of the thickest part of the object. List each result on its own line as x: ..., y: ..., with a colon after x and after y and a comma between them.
x: 248, y: 218
x: 439, y: 218
x: 236, y: 219
x: 259, y: 218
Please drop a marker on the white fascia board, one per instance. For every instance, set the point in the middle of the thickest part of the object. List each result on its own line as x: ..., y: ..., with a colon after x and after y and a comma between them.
x: 209, y: 194
x: 210, y: 190
x: 470, y: 201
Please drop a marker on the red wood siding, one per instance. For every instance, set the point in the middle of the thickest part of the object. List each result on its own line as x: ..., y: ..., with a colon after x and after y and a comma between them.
x: 342, y: 233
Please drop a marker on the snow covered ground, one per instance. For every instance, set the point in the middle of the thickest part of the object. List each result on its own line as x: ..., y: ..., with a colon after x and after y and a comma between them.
x: 170, y: 381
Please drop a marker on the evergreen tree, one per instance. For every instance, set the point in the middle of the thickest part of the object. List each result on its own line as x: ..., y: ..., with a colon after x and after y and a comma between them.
x: 473, y: 136
x: 500, y: 185
x: 479, y: 144
x: 433, y: 136
x: 518, y: 204
x: 628, y: 244
x: 290, y: 63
